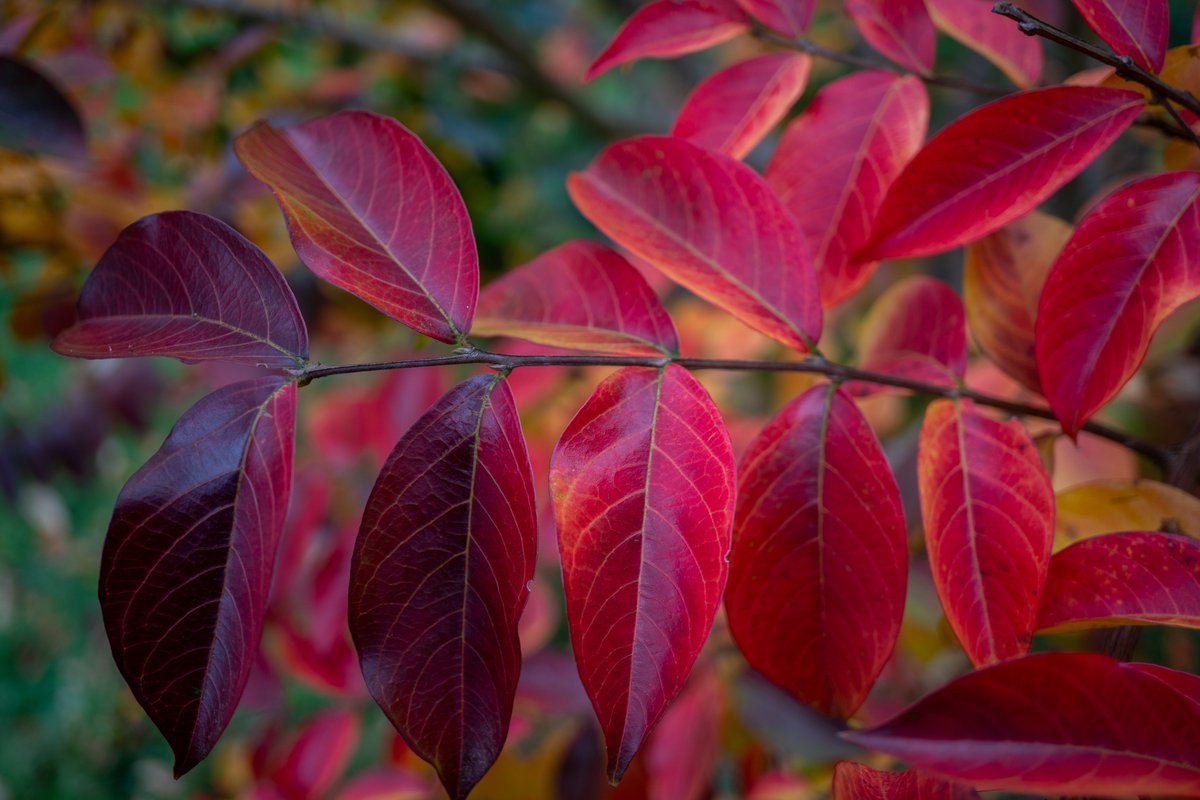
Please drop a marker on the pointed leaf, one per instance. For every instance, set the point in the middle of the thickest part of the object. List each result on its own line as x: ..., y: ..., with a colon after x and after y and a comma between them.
x: 35, y: 115
x: 642, y: 485
x: 1052, y: 723
x: 1133, y: 260
x: 1134, y: 28
x: 732, y: 110
x: 682, y: 754
x: 789, y: 17
x: 371, y: 210
x: 667, y: 28
x: 440, y: 577
x: 996, y: 164
x: 186, y: 285
x: 835, y: 163
x: 186, y: 569
x: 581, y: 295
x: 1092, y: 509
x: 859, y: 782
x: 820, y: 555
x: 988, y: 511
x: 667, y: 201
x: 899, y: 29
x: 994, y: 37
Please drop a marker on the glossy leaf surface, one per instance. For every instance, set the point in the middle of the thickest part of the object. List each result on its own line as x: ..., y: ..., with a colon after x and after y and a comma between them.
x: 916, y: 329
x: 440, y: 576
x: 1093, y: 509
x: 988, y: 511
x: 371, y: 210
x: 667, y: 28
x: 996, y: 38
x: 186, y: 568
x: 996, y: 164
x: 1134, y: 28
x: 820, y: 558
x: 163, y: 289
x: 789, y: 17
x: 642, y: 483
x: 834, y: 165
x: 35, y: 115
x: 580, y: 295
x: 1052, y: 723
x: 899, y: 29
x: 667, y: 201
x: 1133, y: 260
x: 732, y: 110
x: 859, y: 782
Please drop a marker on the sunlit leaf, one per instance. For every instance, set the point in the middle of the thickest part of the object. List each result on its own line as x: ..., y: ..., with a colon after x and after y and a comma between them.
x: 994, y: 37
x: 1092, y: 509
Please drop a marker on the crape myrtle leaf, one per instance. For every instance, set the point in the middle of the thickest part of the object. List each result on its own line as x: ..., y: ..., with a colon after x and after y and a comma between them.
x: 186, y: 285
x: 581, y: 295
x: 1100, y: 507
x: 819, y: 564
x: 732, y: 110
x: 318, y: 755
x: 35, y: 115
x: 667, y: 201
x: 387, y: 783
x: 1136, y: 577
x: 682, y: 754
x: 996, y: 164
x: 186, y: 568
x: 1185, y: 683
x: 1134, y: 28
x: 836, y: 161
x: 859, y: 782
x: 642, y: 483
x: 1132, y: 261
x: 899, y: 29
x: 667, y: 28
x: 1002, y: 280
x: 1055, y: 724
x: 789, y: 17
x: 996, y: 38
x: 371, y: 210
x: 988, y: 511
x: 440, y: 575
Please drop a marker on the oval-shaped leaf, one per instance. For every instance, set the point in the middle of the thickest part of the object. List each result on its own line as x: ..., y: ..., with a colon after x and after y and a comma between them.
x: 581, y: 295
x: 732, y: 110
x: 859, y: 782
x: 186, y: 568
x: 667, y: 28
x: 820, y: 555
x: 35, y: 115
x: 668, y: 202
x: 1131, y: 262
x: 642, y: 486
x: 1093, y: 509
x: 440, y: 576
x: 835, y: 163
x: 994, y: 37
x: 789, y: 17
x: 899, y: 29
x: 988, y: 511
x: 371, y: 210
x: 1052, y: 723
x: 1134, y: 28
x: 996, y: 164
x: 186, y: 285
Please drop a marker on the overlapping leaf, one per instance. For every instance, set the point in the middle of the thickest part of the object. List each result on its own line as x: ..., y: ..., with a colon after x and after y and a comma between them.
x: 371, y: 210
x: 163, y: 289
x: 186, y: 568
x: 789, y: 17
x: 1093, y: 509
x: 994, y: 37
x: 988, y: 511
x: 35, y: 115
x: 669, y: 202
x: 859, y: 782
x: 835, y: 163
x: 819, y: 561
x: 995, y: 164
x: 440, y: 577
x: 1132, y: 261
x: 666, y: 28
x: 1134, y: 28
x: 900, y: 29
x: 642, y: 485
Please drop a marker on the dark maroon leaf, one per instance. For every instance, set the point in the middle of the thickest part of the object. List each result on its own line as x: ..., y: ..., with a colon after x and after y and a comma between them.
x: 35, y: 115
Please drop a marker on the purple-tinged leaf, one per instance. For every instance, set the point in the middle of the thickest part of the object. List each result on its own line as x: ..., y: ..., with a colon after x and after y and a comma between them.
x: 789, y: 17
x: 35, y: 115
x: 859, y: 782
x: 668, y: 28
x: 900, y: 29
x: 1134, y: 28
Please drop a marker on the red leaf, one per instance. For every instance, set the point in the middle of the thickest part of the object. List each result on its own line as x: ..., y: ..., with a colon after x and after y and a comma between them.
x: 371, y: 210
x: 666, y: 28
x: 682, y: 754
x: 1134, y: 28
x: 1131, y: 262
x: 318, y: 755
x: 581, y: 295
x: 1052, y: 723
x: 1123, y: 579
x: 789, y: 17
x: 440, y: 576
x: 859, y: 782
x: 38, y: 116
x: 186, y: 285
x: 820, y: 556
x: 386, y: 784
x: 642, y: 484
x: 732, y: 110
x: 900, y: 29
x: 995, y: 164
x: 989, y: 523
x: 186, y: 568
x: 994, y: 37
x: 1185, y: 683
x: 835, y: 163
x: 667, y: 201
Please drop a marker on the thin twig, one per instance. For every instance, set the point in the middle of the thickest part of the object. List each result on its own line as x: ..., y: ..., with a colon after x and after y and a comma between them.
x: 1166, y: 127
x: 1179, y: 120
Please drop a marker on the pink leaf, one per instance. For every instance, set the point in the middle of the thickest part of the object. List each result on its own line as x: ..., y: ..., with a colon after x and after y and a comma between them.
x: 789, y: 17
x: 666, y: 28
x: 318, y: 755
x: 994, y: 37
x: 859, y: 782
x: 1134, y: 28
x: 899, y: 29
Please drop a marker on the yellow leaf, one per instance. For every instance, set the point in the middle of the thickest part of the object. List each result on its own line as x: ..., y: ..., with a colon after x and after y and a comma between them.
x: 1092, y: 509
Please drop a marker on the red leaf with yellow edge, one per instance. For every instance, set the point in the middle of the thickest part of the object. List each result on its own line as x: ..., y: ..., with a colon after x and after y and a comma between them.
x: 642, y: 483
x: 1132, y: 261
x: 988, y: 511
x: 668, y: 202
x: 1134, y: 28
x: 899, y: 29
x: 789, y: 17
x: 994, y: 37
x: 667, y: 28
x: 859, y: 782
x: 820, y: 557
x: 440, y: 576
x: 370, y: 210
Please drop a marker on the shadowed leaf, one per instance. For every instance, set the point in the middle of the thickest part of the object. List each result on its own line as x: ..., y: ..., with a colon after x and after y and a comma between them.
x: 35, y: 115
